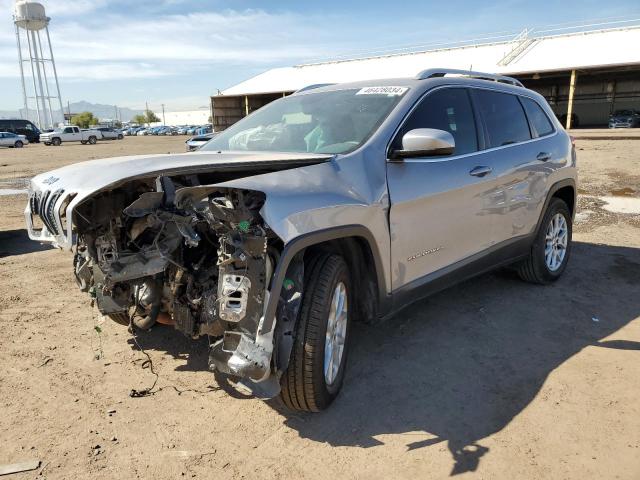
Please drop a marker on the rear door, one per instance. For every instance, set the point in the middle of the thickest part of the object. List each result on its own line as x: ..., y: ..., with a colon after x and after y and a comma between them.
x: 438, y: 214
x: 76, y: 134
x: 20, y: 127
x: 518, y: 164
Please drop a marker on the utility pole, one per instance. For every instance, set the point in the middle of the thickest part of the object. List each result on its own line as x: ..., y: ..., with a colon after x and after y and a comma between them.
x: 146, y: 113
x: 68, y: 122
x: 164, y: 123
x: 572, y: 89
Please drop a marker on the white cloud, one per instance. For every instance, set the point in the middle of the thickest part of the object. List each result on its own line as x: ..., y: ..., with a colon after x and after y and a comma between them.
x: 73, y: 7
x: 110, y: 46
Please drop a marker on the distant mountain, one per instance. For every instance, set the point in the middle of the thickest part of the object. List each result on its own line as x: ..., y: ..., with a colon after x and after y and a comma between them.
x: 99, y: 110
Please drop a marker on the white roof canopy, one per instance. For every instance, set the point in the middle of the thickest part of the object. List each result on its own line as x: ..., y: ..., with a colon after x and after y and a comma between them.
x: 591, y: 49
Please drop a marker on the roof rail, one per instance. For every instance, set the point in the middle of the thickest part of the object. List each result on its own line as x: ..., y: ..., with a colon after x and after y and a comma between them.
x: 311, y: 87
x: 441, y: 72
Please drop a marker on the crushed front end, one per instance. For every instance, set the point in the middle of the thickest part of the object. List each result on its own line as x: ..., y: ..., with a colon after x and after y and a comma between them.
x: 202, y: 265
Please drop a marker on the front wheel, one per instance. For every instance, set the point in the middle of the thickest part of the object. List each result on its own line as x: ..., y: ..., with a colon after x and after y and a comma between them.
x: 551, y: 248
x: 317, y: 366
x: 18, y: 144
x: 92, y: 140
x: 56, y: 142
x: 120, y: 137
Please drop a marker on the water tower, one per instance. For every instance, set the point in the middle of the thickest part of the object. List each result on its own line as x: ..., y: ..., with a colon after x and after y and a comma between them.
x: 42, y: 87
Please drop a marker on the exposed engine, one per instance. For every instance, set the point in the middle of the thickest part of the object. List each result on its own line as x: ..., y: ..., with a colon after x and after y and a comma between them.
x: 203, y: 266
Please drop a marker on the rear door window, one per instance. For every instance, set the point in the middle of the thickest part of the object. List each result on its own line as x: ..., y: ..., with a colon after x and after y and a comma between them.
x: 448, y: 109
x: 504, y: 119
x: 540, y: 123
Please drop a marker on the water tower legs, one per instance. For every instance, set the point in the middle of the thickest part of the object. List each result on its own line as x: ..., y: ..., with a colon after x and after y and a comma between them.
x: 24, y: 87
x: 55, y: 72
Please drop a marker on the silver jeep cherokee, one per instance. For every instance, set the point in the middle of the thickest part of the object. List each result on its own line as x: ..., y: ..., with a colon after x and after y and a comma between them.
x: 337, y: 203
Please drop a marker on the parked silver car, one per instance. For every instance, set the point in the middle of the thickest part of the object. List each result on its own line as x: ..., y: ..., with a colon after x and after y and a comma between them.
x: 109, y: 133
x: 335, y: 204
x: 194, y: 143
x: 12, y: 140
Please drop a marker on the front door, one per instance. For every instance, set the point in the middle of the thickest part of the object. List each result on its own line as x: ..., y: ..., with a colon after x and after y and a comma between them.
x: 438, y: 213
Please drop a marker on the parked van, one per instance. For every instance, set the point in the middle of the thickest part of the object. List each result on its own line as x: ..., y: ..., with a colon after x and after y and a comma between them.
x: 21, y: 127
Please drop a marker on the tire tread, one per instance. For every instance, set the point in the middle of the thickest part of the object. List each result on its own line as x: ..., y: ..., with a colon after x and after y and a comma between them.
x: 299, y: 390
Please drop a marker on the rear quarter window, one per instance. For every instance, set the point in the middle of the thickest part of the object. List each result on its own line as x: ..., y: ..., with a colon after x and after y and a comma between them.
x: 539, y: 121
x: 504, y: 119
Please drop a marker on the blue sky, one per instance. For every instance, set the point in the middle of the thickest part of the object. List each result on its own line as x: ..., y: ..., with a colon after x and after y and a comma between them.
x: 179, y: 52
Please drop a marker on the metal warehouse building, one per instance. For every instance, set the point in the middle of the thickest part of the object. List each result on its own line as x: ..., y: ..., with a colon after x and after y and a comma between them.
x: 589, y: 70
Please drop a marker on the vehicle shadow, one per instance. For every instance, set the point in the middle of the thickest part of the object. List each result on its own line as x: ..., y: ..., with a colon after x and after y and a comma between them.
x: 462, y: 364
x: 166, y: 339
x: 195, y: 354
x: 17, y: 242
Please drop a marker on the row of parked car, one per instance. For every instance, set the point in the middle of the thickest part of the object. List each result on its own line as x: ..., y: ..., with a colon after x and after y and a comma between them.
x: 169, y: 130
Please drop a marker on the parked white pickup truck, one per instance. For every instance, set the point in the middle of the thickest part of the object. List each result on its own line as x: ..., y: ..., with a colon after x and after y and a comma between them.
x: 70, y: 134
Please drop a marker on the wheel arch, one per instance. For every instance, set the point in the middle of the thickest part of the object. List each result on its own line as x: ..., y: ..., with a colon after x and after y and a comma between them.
x: 361, y: 262
x: 354, y: 242
x: 566, y: 191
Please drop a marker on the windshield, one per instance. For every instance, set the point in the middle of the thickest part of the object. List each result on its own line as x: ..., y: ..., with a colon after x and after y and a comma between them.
x: 332, y: 122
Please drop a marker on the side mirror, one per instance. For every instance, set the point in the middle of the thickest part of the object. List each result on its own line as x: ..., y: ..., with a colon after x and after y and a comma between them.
x: 425, y: 142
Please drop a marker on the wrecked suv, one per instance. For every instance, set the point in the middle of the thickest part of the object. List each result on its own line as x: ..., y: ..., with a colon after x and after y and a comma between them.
x: 338, y: 203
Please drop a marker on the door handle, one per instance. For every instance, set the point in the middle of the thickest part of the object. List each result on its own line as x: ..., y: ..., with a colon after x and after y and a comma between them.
x: 480, y: 171
x: 543, y: 156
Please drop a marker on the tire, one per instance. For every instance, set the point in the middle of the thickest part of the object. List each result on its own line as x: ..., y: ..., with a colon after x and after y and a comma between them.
x: 121, y: 318
x: 92, y: 140
x: 56, y: 142
x: 536, y: 268
x: 18, y: 144
x: 304, y: 385
x: 83, y: 142
x: 120, y: 137
x: 47, y: 143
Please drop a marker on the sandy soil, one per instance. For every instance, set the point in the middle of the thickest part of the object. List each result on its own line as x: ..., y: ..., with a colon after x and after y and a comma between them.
x: 491, y: 379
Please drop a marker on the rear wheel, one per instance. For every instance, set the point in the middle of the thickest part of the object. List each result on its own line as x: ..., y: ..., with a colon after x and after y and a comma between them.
x: 120, y: 137
x: 550, y: 251
x: 56, y: 142
x: 92, y: 140
x: 19, y: 144
x: 318, y: 359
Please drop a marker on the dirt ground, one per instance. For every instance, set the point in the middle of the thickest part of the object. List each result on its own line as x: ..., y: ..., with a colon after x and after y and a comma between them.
x: 492, y: 379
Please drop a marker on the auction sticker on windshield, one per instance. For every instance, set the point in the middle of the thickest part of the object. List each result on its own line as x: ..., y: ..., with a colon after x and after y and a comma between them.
x: 388, y: 90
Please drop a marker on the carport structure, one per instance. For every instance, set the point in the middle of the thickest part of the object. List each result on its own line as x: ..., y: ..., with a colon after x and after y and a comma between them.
x: 585, y: 71
x: 596, y: 93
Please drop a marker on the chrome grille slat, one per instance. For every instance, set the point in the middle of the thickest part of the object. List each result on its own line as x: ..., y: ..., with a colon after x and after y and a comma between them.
x: 42, y: 208
x: 51, y: 211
